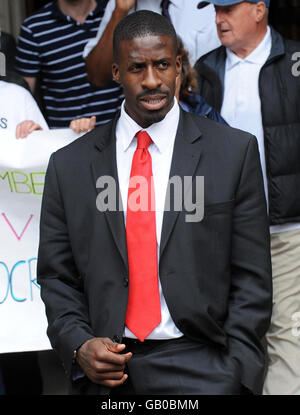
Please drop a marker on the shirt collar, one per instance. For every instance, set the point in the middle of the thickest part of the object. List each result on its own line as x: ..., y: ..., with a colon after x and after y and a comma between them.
x: 259, y: 55
x: 161, y: 132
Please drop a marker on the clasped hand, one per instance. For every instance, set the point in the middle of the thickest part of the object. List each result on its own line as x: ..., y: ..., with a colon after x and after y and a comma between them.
x: 102, y: 362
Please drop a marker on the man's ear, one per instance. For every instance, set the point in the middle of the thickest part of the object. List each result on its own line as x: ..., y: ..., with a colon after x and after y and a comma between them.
x: 260, y: 11
x: 116, y: 72
x: 178, y: 65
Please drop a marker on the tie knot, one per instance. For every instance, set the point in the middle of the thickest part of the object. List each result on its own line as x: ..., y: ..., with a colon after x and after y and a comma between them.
x: 143, y: 139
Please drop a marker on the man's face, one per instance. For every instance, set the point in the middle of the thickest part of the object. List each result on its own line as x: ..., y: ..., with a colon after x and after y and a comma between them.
x: 236, y: 25
x: 147, y: 68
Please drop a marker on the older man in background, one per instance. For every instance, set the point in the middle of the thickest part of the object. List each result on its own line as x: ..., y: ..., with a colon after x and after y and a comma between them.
x: 250, y: 80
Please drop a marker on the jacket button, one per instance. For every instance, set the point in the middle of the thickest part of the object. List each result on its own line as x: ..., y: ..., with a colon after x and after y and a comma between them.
x: 116, y: 338
x: 125, y: 282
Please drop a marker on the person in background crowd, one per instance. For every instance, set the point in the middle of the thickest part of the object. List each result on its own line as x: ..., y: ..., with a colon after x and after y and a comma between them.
x: 19, y: 111
x: 187, y: 89
x: 144, y: 301
x: 256, y: 91
x: 194, y: 24
x: 50, y: 47
x: 27, y: 105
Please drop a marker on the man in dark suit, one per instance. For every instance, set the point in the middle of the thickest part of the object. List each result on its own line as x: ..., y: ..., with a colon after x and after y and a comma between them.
x: 153, y: 300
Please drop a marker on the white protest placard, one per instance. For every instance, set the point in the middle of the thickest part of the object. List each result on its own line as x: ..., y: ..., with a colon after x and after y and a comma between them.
x: 23, y: 164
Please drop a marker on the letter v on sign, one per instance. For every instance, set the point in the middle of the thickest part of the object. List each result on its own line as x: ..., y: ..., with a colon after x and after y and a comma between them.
x: 19, y: 237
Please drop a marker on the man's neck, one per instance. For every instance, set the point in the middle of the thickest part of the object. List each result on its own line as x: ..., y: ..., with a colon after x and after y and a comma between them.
x: 78, y: 10
x: 245, y: 50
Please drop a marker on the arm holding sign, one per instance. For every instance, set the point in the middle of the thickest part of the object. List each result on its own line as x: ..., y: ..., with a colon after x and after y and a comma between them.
x: 24, y: 128
x: 80, y: 125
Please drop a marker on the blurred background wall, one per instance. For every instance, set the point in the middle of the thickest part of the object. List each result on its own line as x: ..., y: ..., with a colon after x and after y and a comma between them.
x: 12, y: 13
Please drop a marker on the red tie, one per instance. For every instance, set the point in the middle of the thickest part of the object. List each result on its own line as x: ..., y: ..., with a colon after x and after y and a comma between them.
x: 143, y: 310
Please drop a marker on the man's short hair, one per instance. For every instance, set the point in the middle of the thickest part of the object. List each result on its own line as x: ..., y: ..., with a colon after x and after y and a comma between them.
x: 141, y: 24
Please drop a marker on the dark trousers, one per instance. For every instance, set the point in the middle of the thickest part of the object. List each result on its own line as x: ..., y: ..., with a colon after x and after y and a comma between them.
x: 179, y: 367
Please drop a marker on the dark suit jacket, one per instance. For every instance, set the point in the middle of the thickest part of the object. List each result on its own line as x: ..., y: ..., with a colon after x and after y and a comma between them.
x: 215, y: 274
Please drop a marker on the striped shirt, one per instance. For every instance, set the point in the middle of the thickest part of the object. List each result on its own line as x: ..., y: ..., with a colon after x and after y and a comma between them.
x: 51, y: 45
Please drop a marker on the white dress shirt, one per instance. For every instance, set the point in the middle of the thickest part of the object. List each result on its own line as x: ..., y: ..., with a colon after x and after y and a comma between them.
x: 241, y: 106
x: 196, y: 27
x: 161, y: 149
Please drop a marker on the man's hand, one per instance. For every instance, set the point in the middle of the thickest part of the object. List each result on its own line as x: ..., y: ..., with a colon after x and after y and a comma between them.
x: 124, y: 5
x: 100, y: 360
x: 26, y: 127
x: 83, y: 125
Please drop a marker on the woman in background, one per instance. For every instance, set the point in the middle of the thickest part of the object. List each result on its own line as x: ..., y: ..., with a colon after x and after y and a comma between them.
x: 187, y: 86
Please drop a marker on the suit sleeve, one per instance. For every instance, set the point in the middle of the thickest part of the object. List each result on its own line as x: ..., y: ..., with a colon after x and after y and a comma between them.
x: 250, y: 300
x: 61, y: 284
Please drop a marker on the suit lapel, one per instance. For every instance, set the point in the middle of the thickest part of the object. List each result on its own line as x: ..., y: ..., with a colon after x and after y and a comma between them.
x: 104, y: 164
x: 186, y: 155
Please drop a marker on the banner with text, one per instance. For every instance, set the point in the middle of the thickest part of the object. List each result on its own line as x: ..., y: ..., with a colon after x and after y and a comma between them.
x: 23, y: 164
